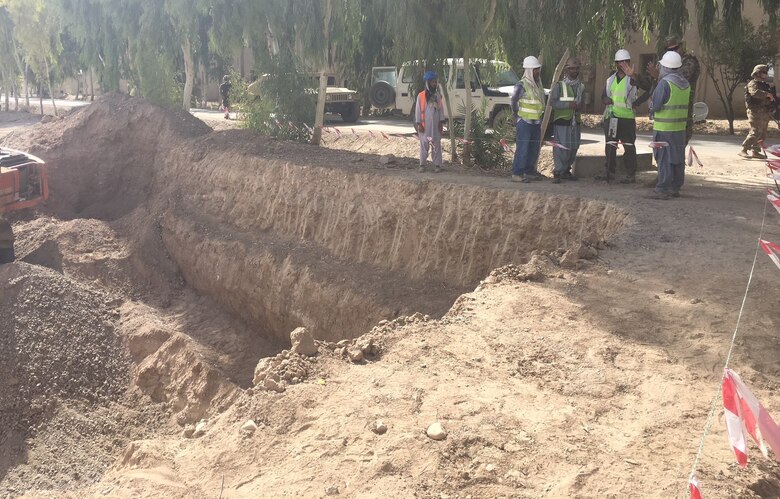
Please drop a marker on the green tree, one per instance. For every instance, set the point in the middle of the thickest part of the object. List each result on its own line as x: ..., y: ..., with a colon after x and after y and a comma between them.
x: 36, y: 30
x: 730, y: 55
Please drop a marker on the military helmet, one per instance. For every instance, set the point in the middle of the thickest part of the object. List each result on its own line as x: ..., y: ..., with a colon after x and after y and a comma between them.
x: 759, y: 69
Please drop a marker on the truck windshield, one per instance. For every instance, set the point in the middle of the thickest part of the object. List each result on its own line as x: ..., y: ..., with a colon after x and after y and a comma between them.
x: 384, y: 74
x: 497, y: 76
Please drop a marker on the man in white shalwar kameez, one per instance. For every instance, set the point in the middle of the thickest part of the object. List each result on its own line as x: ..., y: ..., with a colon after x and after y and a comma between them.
x: 429, y: 118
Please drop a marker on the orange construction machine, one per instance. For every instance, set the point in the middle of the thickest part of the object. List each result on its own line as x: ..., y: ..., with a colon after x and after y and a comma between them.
x: 23, y: 180
x: 23, y: 184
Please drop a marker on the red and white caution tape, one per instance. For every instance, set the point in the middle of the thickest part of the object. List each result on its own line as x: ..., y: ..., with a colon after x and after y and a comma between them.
x: 744, y: 413
x: 556, y: 144
x: 692, y: 155
x: 693, y: 486
x: 773, y: 150
x: 772, y: 251
x: 615, y: 143
x: 774, y: 198
x: 658, y: 145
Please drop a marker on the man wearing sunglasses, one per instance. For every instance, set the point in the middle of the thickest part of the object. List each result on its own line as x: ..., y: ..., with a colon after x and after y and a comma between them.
x: 760, y: 102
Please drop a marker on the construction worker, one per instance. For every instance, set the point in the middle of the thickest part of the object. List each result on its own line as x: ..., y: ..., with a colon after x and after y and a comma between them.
x: 669, y: 110
x: 760, y: 102
x: 429, y: 118
x: 6, y: 242
x: 621, y: 100
x: 224, y: 92
x: 689, y: 70
x: 528, y: 108
x: 566, y: 98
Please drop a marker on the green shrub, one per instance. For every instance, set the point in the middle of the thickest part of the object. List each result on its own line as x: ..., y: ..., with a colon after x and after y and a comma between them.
x: 486, y: 149
x: 283, y: 103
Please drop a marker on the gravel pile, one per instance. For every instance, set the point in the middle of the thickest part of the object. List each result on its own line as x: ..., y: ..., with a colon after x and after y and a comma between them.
x: 57, y: 341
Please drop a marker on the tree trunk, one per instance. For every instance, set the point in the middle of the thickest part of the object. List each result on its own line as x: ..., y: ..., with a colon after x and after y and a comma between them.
x: 91, y: 85
x: 5, y: 88
x: 730, y: 110
x: 450, y: 122
x: 189, y: 74
x: 48, y: 83
x: 40, y: 97
x: 467, y: 121
x: 23, y: 70
x: 319, y: 119
x: 26, y: 88
x: 203, y: 89
x: 16, y: 97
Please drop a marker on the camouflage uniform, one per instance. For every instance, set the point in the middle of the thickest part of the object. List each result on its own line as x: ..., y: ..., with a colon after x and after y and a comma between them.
x: 690, y: 71
x: 759, y: 112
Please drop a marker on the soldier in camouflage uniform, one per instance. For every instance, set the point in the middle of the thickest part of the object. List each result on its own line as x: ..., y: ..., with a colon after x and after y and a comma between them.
x: 689, y: 70
x: 760, y: 102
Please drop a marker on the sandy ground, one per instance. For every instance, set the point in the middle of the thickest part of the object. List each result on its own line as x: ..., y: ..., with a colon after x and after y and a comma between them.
x: 583, y: 365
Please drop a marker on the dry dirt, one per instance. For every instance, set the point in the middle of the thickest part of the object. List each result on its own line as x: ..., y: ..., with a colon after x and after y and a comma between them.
x: 568, y: 338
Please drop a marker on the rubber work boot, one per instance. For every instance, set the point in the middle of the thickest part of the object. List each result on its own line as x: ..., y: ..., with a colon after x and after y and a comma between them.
x: 520, y: 178
x: 658, y: 195
x: 568, y: 175
x: 758, y: 155
x: 556, y: 178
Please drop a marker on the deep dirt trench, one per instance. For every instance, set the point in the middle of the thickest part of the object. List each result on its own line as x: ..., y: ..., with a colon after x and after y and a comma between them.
x: 283, y: 235
x: 210, y: 247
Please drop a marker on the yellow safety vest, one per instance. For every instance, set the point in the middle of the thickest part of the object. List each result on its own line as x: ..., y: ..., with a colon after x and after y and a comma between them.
x: 673, y: 117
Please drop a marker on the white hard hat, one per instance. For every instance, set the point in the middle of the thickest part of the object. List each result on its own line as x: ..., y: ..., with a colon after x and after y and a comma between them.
x: 671, y: 60
x: 622, y: 55
x: 531, y: 62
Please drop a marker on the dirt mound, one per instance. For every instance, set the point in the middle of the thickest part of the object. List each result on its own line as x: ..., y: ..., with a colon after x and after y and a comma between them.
x: 63, y: 365
x: 57, y: 338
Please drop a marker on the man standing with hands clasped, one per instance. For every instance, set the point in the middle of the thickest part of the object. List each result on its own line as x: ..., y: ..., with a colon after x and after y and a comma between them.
x: 566, y: 103
x: 669, y: 111
x: 528, y: 108
x: 621, y: 98
x: 429, y: 118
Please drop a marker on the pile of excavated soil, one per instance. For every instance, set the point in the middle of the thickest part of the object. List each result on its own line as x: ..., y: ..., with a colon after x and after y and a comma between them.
x: 64, y: 373
x: 582, y: 367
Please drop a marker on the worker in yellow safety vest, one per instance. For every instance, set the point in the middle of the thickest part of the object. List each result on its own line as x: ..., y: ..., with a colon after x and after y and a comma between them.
x: 621, y: 100
x: 669, y: 110
x: 528, y: 108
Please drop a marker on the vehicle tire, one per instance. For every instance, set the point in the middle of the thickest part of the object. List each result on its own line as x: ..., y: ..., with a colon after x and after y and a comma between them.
x: 503, y: 122
x: 381, y: 95
x: 352, y: 113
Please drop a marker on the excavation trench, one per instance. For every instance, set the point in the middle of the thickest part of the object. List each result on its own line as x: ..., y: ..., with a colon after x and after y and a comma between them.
x: 283, y: 235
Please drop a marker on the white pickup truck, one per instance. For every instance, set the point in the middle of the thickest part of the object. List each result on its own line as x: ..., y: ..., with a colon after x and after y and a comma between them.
x: 493, y: 81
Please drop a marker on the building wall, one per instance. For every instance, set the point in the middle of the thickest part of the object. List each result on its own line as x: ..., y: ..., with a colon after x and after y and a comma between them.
x: 641, y: 52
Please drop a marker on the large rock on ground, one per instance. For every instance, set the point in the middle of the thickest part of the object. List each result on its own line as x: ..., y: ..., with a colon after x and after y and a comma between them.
x: 303, y: 342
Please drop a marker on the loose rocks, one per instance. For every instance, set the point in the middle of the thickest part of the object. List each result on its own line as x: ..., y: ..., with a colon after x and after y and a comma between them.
x: 275, y: 373
x: 249, y: 427
x: 379, y: 427
x: 303, y: 342
x: 436, y: 431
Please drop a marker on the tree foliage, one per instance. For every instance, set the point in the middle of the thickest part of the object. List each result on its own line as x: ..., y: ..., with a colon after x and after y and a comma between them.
x: 731, y: 54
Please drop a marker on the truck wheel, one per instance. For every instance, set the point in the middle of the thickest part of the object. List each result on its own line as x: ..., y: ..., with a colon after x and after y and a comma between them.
x: 352, y: 113
x: 503, y: 122
x: 381, y: 95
